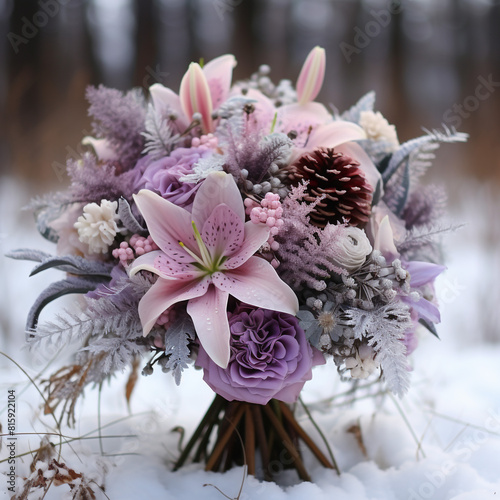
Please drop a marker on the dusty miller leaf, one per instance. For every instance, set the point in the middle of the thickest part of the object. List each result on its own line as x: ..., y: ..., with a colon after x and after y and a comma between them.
x: 177, y: 339
x: 127, y: 217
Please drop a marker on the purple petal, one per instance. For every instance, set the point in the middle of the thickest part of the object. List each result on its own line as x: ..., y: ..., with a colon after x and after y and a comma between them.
x: 256, y: 283
x: 168, y: 224
x: 422, y: 273
x: 217, y: 188
x: 425, y: 309
x: 255, y: 236
x: 223, y: 232
x: 163, y: 294
x: 209, y: 315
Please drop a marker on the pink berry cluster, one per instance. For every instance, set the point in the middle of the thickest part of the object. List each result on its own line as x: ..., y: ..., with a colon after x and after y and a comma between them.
x: 208, y: 141
x: 268, y: 212
x: 137, y: 245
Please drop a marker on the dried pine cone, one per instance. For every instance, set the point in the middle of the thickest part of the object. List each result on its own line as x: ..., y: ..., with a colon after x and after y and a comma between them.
x: 348, y: 195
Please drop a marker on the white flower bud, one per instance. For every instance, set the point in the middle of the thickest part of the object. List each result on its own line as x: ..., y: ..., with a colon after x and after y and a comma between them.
x: 378, y: 128
x: 350, y: 252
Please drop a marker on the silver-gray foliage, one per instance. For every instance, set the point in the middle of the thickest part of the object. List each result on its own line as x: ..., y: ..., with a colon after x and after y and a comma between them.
x: 177, y: 353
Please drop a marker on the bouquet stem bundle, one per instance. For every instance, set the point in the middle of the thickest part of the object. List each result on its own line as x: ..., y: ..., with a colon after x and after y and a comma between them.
x: 263, y: 437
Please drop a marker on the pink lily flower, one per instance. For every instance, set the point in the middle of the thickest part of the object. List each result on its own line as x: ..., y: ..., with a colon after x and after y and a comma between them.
x: 311, y: 121
x: 201, y: 90
x: 311, y: 76
x: 195, y: 96
x: 204, y: 257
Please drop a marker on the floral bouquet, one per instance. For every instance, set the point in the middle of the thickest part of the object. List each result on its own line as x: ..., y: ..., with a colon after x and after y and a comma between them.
x: 250, y: 231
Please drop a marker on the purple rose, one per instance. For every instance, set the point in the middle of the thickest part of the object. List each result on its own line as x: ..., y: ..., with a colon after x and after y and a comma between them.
x: 270, y: 358
x: 162, y: 176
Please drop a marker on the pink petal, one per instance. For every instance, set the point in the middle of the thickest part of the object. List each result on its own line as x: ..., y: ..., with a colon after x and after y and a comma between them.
x: 167, y: 267
x: 168, y: 224
x: 223, y: 232
x: 311, y: 76
x: 263, y: 116
x: 255, y: 236
x: 209, y: 315
x: 219, y: 72
x: 256, y: 283
x: 195, y: 96
x: 146, y: 263
x: 302, y: 118
x: 102, y: 147
x: 166, y: 101
x: 365, y: 163
x: 335, y: 133
x: 163, y: 294
x: 384, y: 239
x: 217, y: 188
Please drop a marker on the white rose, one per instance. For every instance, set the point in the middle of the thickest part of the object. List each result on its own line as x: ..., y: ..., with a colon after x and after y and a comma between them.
x: 350, y: 251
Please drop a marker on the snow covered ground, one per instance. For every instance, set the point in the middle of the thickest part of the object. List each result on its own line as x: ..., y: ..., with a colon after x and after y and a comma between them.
x: 442, y: 441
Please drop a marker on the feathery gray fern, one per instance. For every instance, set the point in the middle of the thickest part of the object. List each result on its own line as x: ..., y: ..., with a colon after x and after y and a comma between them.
x: 159, y: 134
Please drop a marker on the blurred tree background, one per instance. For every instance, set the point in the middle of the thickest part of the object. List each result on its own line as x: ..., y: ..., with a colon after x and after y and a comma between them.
x: 431, y: 63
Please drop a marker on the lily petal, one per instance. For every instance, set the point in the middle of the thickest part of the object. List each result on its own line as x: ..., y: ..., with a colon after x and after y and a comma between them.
x: 219, y: 73
x: 263, y: 116
x: 164, y: 98
x: 167, y: 223
x: 384, y: 239
x: 256, y: 283
x: 146, y: 263
x: 427, y: 310
x: 335, y: 133
x: 159, y: 263
x: 217, y: 188
x: 311, y: 76
x: 365, y: 163
x: 209, y: 315
x: 165, y: 293
x: 223, y: 232
x: 195, y: 96
x: 422, y: 273
x: 303, y: 119
x: 255, y: 236
x: 102, y: 147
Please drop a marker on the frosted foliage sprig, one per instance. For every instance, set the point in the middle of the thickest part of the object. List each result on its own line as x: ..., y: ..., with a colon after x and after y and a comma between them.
x: 300, y: 242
